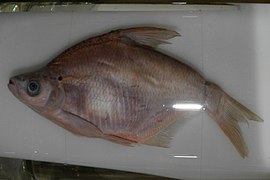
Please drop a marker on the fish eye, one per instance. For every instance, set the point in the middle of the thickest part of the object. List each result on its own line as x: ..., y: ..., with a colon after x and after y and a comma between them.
x: 33, y: 88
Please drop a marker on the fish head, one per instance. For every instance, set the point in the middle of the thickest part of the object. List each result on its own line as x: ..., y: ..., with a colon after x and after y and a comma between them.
x: 39, y: 90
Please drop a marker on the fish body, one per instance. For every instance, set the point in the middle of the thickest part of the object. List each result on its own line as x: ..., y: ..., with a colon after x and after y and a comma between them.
x: 118, y: 87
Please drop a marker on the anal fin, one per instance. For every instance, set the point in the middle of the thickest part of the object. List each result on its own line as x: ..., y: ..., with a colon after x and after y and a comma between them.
x: 119, y: 139
x: 163, y: 138
x: 167, y: 130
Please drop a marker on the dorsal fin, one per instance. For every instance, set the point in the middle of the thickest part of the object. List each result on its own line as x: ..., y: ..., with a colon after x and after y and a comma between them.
x: 149, y: 36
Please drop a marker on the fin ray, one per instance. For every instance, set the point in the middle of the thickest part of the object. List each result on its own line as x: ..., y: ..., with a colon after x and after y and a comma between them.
x: 227, y: 112
x: 164, y: 137
x: 149, y: 36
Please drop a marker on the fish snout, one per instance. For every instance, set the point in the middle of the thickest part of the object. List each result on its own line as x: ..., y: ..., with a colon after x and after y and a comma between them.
x: 15, y: 80
x: 12, y: 86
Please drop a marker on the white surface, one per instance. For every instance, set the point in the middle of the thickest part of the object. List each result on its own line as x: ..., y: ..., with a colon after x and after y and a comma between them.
x: 230, y: 48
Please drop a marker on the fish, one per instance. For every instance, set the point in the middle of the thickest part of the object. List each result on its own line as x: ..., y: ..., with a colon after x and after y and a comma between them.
x: 117, y: 86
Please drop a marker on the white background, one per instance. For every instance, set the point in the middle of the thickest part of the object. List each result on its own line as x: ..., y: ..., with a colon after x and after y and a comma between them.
x: 231, y: 48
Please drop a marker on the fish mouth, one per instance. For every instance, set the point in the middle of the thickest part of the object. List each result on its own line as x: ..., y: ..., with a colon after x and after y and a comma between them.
x: 11, y: 82
x: 12, y: 87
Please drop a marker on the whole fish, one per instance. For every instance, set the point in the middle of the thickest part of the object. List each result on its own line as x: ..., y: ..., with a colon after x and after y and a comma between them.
x: 116, y: 86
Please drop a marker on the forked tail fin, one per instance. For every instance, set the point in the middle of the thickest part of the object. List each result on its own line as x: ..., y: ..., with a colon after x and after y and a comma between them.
x: 227, y: 112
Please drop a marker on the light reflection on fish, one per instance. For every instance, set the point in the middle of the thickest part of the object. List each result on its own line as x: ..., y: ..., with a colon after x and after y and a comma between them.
x: 118, y: 87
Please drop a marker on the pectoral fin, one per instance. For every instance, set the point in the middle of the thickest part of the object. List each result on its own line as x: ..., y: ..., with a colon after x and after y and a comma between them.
x: 75, y: 124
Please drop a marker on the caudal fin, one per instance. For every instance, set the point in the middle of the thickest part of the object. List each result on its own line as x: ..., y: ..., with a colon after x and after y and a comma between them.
x: 227, y: 112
